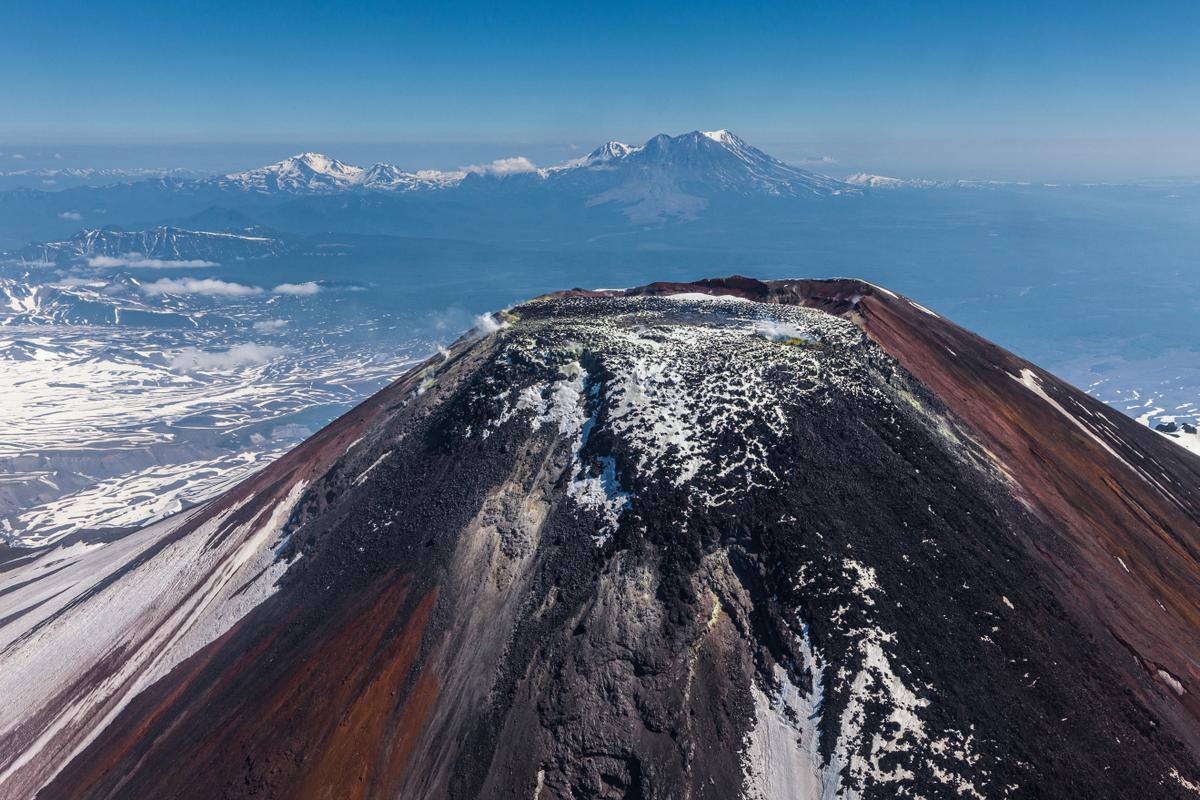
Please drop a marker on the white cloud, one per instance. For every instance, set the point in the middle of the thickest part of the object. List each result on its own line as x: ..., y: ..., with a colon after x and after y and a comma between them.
x: 75, y: 215
x: 781, y: 331
x: 298, y: 289
x: 209, y: 286
x: 240, y: 355
x: 504, y: 166
x: 487, y: 324
x: 270, y: 325
x: 18, y: 156
x: 139, y: 260
x: 58, y: 156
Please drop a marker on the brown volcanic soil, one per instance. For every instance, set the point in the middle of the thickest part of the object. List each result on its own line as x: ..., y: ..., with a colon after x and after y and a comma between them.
x: 889, y: 521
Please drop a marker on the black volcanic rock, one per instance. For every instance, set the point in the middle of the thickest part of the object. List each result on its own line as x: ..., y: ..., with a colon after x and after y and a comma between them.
x: 724, y: 539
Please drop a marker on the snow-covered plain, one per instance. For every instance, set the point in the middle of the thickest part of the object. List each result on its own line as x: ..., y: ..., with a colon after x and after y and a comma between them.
x: 106, y: 426
x: 1160, y: 390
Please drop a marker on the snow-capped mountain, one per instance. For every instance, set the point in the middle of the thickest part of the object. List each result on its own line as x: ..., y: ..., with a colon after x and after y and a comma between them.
x: 728, y: 539
x: 610, y: 150
x: 314, y: 173
x: 305, y: 172
x: 606, y: 152
x: 705, y: 161
x: 392, y: 178
x: 160, y: 246
x: 869, y: 181
x: 721, y: 160
x: 681, y: 175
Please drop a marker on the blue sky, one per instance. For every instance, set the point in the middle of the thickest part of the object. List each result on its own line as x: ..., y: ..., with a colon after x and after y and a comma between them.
x: 985, y: 88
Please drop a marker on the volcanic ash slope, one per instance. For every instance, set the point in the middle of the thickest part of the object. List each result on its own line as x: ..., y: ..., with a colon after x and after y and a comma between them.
x: 732, y: 539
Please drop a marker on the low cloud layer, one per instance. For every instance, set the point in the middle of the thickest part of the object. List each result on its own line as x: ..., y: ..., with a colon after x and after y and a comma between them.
x: 298, y: 289
x: 240, y: 355
x: 215, y: 287
x: 141, y: 261
x: 72, y: 215
x: 504, y: 166
x: 207, y: 286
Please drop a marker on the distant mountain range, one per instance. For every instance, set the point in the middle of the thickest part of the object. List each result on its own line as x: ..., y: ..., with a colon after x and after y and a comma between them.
x: 53, y: 178
x: 162, y: 246
x: 314, y: 173
x: 666, y: 178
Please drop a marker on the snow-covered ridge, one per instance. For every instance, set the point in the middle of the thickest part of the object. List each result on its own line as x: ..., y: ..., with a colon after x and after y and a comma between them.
x: 605, y: 153
x: 867, y: 180
x: 99, y: 172
x: 315, y: 172
x: 164, y: 243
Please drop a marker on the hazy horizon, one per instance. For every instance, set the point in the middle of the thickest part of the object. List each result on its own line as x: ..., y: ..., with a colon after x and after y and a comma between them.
x: 1074, y: 160
x: 1072, y: 91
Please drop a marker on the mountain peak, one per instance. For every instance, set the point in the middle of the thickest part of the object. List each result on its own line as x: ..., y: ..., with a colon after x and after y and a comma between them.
x: 709, y: 531
x: 722, y: 136
x: 675, y: 175
x: 321, y: 164
x: 609, y: 151
x: 306, y: 171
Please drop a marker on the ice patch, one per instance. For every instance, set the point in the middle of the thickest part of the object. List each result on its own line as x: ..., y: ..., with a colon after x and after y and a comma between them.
x: 602, y: 493
x: 782, y: 755
x: 594, y: 482
x: 367, y: 472
x: 1184, y: 782
x: 1172, y: 681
